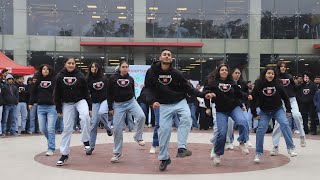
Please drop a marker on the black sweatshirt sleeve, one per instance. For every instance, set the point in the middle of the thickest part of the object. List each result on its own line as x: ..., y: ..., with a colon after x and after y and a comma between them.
x: 285, y: 98
x: 110, y: 95
x: 58, y: 95
x: 149, y: 86
x: 253, y: 103
x: 85, y: 92
x: 33, y: 92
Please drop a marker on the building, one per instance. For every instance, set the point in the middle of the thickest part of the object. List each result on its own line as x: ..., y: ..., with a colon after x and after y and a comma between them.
x: 250, y: 34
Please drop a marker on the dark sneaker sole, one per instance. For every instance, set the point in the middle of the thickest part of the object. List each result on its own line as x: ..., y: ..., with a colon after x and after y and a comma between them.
x: 183, y: 155
x: 165, y: 167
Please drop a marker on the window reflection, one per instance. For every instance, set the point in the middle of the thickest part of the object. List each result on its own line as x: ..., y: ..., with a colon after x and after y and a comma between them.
x: 95, y: 18
x: 6, y: 17
x: 204, y: 19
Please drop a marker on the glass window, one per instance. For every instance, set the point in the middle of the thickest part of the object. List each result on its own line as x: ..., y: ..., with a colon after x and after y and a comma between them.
x: 6, y: 17
x: 267, y: 19
x: 236, y: 27
x: 96, y: 18
x: 309, y: 19
x: 286, y: 19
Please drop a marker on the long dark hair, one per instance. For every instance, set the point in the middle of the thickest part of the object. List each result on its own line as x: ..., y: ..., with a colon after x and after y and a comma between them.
x: 279, y: 65
x: 49, y: 68
x: 233, y: 70
x: 262, y: 77
x: 217, y: 72
x: 99, y: 72
x: 212, y: 76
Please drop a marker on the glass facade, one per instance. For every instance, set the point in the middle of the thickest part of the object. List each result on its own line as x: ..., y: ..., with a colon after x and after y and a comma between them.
x: 93, y: 18
x: 290, y: 19
x: 6, y: 17
x: 208, y: 19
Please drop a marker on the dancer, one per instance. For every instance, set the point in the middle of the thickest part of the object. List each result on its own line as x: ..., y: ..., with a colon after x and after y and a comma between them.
x: 97, y: 85
x: 227, y: 95
x: 290, y: 89
x: 42, y: 93
x: 71, y: 94
x: 269, y: 92
x: 168, y: 89
x: 121, y: 102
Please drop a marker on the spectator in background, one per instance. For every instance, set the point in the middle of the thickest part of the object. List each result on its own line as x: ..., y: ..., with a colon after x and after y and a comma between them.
x: 11, y: 99
x: 22, y: 105
x: 33, y: 123
x: 317, y: 81
x: 1, y: 107
x: 4, y: 73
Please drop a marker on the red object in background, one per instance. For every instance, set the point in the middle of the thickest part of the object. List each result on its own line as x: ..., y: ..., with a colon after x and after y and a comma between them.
x: 316, y: 46
x: 13, y: 67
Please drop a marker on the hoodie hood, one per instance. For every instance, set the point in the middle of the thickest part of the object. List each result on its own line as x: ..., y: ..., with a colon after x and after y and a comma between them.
x: 156, y: 66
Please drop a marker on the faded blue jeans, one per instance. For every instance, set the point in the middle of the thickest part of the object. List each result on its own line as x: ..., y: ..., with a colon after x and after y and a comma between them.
x: 10, y: 113
x: 47, y: 117
x: 99, y: 113
x: 280, y: 116
x: 121, y: 109
x: 222, y: 124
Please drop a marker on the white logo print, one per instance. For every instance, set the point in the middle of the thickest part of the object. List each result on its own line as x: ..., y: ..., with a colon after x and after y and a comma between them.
x: 98, y: 85
x: 306, y: 91
x: 285, y: 82
x: 21, y: 89
x: 224, y: 87
x: 269, y: 91
x: 165, y: 79
x: 45, y: 84
x: 123, y: 82
x: 69, y: 81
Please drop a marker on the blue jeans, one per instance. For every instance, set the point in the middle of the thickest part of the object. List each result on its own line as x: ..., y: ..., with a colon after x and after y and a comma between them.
x: 155, y: 138
x: 59, y: 124
x: 222, y: 124
x: 32, y: 118
x: 193, y: 115
x: 99, y: 113
x: 167, y: 112
x: 23, y: 111
x: 10, y: 112
x: 47, y: 117
x: 265, y: 117
x: 121, y: 109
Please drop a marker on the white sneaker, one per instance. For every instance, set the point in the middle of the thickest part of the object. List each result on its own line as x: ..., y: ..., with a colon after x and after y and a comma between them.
x: 49, y: 153
x: 116, y: 157
x: 292, y: 153
x: 228, y: 146
x: 303, y: 141
x: 296, y: 132
x: 141, y: 142
x: 212, y: 154
x: 275, y: 151
x: 244, y: 148
x: 150, y: 126
x: 152, y: 150
x: 249, y: 144
x: 87, y: 148
x: 257, y: 158
x: 216, y: 160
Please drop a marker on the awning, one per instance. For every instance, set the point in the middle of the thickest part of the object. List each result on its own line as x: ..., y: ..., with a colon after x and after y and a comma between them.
x: 14, y: 68
x: 159, y: 44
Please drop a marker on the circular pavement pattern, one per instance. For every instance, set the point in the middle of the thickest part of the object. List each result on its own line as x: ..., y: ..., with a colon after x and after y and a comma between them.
x: 137, y: 160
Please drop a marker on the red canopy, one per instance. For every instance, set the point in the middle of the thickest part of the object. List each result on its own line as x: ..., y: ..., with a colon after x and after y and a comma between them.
x: 14, y: 68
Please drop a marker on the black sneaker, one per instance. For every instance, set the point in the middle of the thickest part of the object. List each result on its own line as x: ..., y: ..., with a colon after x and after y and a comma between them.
x: 62, y: 160
x: 164, y: 164
x: 89, y: 152
x: 182, y: 152
x: 110, y: 133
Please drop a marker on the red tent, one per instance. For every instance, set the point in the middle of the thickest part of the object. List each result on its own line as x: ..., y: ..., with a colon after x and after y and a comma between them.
x: 14, y: 68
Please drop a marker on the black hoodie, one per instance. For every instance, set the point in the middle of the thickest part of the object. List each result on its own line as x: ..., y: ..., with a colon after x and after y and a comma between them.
x: 71, y: 87
x: 167, y: 87
x: 42, y: 91
x: 120, y: 89
x: 97, y: 88
x: 268, y: 96
x: 1, y: 95
x: 306, y: 92
x: 288, y: 84
x: 228, y: 94
x: 24, y: 93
